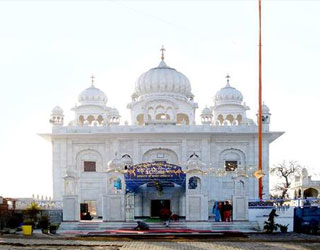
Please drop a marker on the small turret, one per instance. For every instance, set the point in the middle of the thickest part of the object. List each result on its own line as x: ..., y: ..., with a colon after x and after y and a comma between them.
x: 114, y: 117
x: 206, y: 116
x: 266, y: 115
x: 57, y: 116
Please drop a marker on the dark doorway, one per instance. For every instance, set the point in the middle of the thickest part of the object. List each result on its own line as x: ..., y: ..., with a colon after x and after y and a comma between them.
x: 156, y: 206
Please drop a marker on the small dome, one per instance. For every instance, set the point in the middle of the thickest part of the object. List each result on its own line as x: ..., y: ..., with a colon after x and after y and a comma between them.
x: 116, y: 163
x: 206, y: 111
x: 93, y: 96
x: 163, y: 79
x: 57, y: 111
x: 265, y: 109
x: 114, y: 112
x: 228, y: 94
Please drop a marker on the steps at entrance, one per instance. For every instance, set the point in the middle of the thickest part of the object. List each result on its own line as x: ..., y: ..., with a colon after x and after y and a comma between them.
x: 96, y: 226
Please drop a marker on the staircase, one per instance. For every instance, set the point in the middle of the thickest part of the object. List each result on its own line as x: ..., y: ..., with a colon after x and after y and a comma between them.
x: 98, y: 226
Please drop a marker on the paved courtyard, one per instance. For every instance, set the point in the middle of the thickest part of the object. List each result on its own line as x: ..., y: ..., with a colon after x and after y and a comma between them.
x: 254, y: 242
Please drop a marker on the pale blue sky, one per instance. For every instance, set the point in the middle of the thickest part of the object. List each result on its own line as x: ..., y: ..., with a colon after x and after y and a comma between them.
x: 49, y: 49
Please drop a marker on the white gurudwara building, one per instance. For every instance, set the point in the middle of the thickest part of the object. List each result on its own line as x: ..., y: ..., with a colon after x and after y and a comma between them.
x: 163, y: 158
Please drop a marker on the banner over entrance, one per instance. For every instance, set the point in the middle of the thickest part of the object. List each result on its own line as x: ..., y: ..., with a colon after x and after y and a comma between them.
x: 150, y: 172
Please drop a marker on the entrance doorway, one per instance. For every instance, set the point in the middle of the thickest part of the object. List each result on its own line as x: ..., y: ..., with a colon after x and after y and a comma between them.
x: 88, y: 210
x: 156, y: 206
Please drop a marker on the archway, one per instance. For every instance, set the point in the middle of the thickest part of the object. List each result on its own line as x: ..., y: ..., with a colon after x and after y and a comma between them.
x: 310, y: 192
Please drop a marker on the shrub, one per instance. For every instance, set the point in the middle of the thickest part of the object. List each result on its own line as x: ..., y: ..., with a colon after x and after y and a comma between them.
x: 44, y: 222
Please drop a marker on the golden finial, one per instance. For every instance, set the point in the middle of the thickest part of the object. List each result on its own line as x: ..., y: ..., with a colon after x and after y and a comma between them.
x: 162, y: 52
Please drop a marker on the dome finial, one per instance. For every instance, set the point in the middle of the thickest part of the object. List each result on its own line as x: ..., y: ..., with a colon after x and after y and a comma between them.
x: 92, y: 80
x: 228, y: 80
x: 162, y: 52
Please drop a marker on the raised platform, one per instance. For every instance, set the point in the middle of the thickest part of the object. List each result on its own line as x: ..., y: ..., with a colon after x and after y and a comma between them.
x: 86, y: 227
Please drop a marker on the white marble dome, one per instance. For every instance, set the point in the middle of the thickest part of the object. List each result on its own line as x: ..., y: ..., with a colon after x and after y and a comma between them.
x: 163, y: 79
x: 228, y: 94
x: 57, y: 111
x: 93, y: 96
x: 206, y: 111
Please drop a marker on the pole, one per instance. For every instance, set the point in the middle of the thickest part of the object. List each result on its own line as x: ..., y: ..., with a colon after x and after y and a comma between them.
x: 260, y: 104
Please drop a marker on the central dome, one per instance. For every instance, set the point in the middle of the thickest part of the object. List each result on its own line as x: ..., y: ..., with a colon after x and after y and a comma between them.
x: 163, y: 79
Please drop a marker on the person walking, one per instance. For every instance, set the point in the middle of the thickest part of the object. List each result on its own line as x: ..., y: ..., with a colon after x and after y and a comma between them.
x: 165, y: 214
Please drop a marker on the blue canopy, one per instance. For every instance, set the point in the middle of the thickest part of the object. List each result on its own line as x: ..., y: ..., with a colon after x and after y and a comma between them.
x: 149, y: 172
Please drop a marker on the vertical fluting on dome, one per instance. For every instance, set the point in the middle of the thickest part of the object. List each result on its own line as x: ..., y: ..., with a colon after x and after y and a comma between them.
x: 167, y: 88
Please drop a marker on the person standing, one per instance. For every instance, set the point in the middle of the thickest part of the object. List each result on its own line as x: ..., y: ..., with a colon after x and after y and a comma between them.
x: 216, y: 211
x: 222, y: 209
x: 227, y: 211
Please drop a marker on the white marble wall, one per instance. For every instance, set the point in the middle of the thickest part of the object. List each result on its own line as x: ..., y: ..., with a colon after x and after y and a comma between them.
x: 67, y: 153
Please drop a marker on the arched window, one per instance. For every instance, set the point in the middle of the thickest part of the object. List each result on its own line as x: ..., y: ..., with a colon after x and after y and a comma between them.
x: 182, y: 119
x: 90, y: 119
x: 81, y: 120
x: 140, y: 119
x: 239, y: 119
x: 310, y: 192
x: 194, y: 183
x: 100, y: 119
x: 230, y: 118
x: 220, y: 119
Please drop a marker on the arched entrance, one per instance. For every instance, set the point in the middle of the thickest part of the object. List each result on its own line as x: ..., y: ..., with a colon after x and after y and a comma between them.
x: 310, y: 192
x: 156, y: 185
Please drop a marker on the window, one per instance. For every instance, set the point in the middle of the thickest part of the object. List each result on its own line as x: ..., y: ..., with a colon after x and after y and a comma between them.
x: 89, y: 166
x: 160, y: 155
x: 231, y: 165
x: 193, y: 182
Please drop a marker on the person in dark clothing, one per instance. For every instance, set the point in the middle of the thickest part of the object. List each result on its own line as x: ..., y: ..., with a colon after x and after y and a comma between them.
x: 272, y: 215
x: 227, y: 211
x: 142, y: 226
x: 222, y: 209
x: 87, y: 216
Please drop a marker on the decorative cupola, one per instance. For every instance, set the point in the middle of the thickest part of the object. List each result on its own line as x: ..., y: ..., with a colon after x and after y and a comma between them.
x: 228, y: 107
x: 206, y: 116
x: 91, y: 109
x: 114, y: 117
x: 266, y: 115
x: 115, y: 165
x: 56, y: 118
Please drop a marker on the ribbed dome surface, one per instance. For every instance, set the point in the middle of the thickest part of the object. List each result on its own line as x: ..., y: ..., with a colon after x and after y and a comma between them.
x: 93, y: 96
x: 206, y: 111
x: 228, y: 94
x: 57, y: 110
x: 163, y: 79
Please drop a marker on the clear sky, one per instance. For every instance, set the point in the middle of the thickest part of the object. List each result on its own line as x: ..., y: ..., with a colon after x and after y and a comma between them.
x: 49, y: 50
